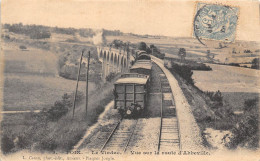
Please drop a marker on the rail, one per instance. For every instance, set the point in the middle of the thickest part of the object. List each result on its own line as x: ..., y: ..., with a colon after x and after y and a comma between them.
x: 110, y: 136
x: 168, y: 128
x: 189, y: 132
x: 113, y: 132
x: 160, y: 133
x: 130, y: 136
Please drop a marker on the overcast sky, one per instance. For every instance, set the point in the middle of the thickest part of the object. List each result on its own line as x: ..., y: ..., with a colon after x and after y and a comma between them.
x: 170, y: 18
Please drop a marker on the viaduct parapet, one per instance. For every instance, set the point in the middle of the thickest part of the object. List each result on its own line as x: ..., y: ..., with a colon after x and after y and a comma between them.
x: 113, y: 60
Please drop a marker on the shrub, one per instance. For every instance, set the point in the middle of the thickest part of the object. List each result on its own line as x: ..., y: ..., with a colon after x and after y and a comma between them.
x: 110, y: 77
x: 62, y: 61
x: 246, y: 130
x: 72, y: 40
x: 23, y: 141
x: 40, y: 35
x: 192, y: 64
x: 22, y: 47
x: 234, y: 64
x: 184, y: 71
x: 182, y: 53
x: 201, y: 66
x: 118, y: 43
x: 7, y: 37
x: 156, y: 52
x: 255, y: 63
x: 215, y: 96
x: 247, y: 51
x: 61, y: 107
x: 48, y: 144
x: 7, y: 144
x: 67, y: 31
x: 250, y: 104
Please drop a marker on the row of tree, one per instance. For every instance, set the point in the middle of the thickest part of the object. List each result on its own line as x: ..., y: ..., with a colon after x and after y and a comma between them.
x: 42, y: 32
x: 33, y: 31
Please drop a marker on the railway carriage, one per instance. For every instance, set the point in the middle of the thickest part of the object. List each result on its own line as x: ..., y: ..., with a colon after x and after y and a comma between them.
x: 142, y: 67
x: 131, y: 89
x: 139, y: 52
x: 131, y: 94
x: 143, y: 56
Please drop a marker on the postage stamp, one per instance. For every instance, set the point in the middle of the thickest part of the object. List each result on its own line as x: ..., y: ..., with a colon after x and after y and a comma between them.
x: 215, y: 22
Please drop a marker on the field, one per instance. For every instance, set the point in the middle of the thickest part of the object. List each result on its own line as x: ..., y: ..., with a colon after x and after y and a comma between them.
x: 231, y: 53
x: 227, y: 79
x: 236, y: 84
x: 32, y: 81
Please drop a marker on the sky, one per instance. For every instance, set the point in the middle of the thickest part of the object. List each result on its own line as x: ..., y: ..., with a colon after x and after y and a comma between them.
x: 161, y: 17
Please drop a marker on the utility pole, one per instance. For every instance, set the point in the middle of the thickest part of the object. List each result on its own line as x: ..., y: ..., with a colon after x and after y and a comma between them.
x: 127, y: 56
x: 74, y: 102
x: 87, y: 82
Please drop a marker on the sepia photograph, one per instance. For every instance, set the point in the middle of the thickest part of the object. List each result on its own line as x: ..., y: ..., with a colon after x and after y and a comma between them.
x: 113, y: 80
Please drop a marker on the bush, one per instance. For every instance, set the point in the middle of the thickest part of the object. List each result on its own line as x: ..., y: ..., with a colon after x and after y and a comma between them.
x: 201, y: 66
x: 255, y: 63
x: 110, y: 77
x: 40, y: 35
x: 250, y: 104
x: 62, y: 61
x: 184, y: 71
x: 192, y: 64
x: 7, y: 37
x: 67, y: 31
x: 234, y: 64
x: 246, y: 130
x: 216, y: 97
x: 247, y: 51
x: 22, y: 47
x: 71, y: 40
x: 23, y: 141
x: 48, y: 145
x: 7, y: 144
x: 61, y: 107
x: 156, y: 52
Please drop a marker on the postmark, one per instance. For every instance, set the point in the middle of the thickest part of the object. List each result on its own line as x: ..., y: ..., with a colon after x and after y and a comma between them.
x: 215, y: 22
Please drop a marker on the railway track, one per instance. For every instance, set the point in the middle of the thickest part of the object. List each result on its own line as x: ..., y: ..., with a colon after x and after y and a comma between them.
x: 157, y: 130
x: 120, y: 136
x: 169, y: 138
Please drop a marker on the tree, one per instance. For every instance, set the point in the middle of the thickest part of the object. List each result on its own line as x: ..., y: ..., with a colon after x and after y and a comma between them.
x: 210, y: 56
x: 255, y: 63
x: 182, y: 54
x: 117, y: 43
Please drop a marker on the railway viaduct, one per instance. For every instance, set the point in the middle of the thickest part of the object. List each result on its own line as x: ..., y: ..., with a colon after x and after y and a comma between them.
x: 113, y: 60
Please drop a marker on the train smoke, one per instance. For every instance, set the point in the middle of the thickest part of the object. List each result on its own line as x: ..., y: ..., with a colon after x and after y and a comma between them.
x: 99, y: 38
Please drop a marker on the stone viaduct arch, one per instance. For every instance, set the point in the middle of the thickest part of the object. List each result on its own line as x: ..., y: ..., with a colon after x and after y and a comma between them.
x: 113, y: 60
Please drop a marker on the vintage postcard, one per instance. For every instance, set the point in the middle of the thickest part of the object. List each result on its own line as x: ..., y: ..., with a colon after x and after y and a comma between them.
x: 114, y: 80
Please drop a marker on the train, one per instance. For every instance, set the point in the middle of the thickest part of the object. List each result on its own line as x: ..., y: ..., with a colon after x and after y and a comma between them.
x: 131, y: 89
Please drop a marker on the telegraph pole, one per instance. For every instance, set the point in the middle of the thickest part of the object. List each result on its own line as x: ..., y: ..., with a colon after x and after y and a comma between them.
x: 87, y: 82
x: 74, y: 102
